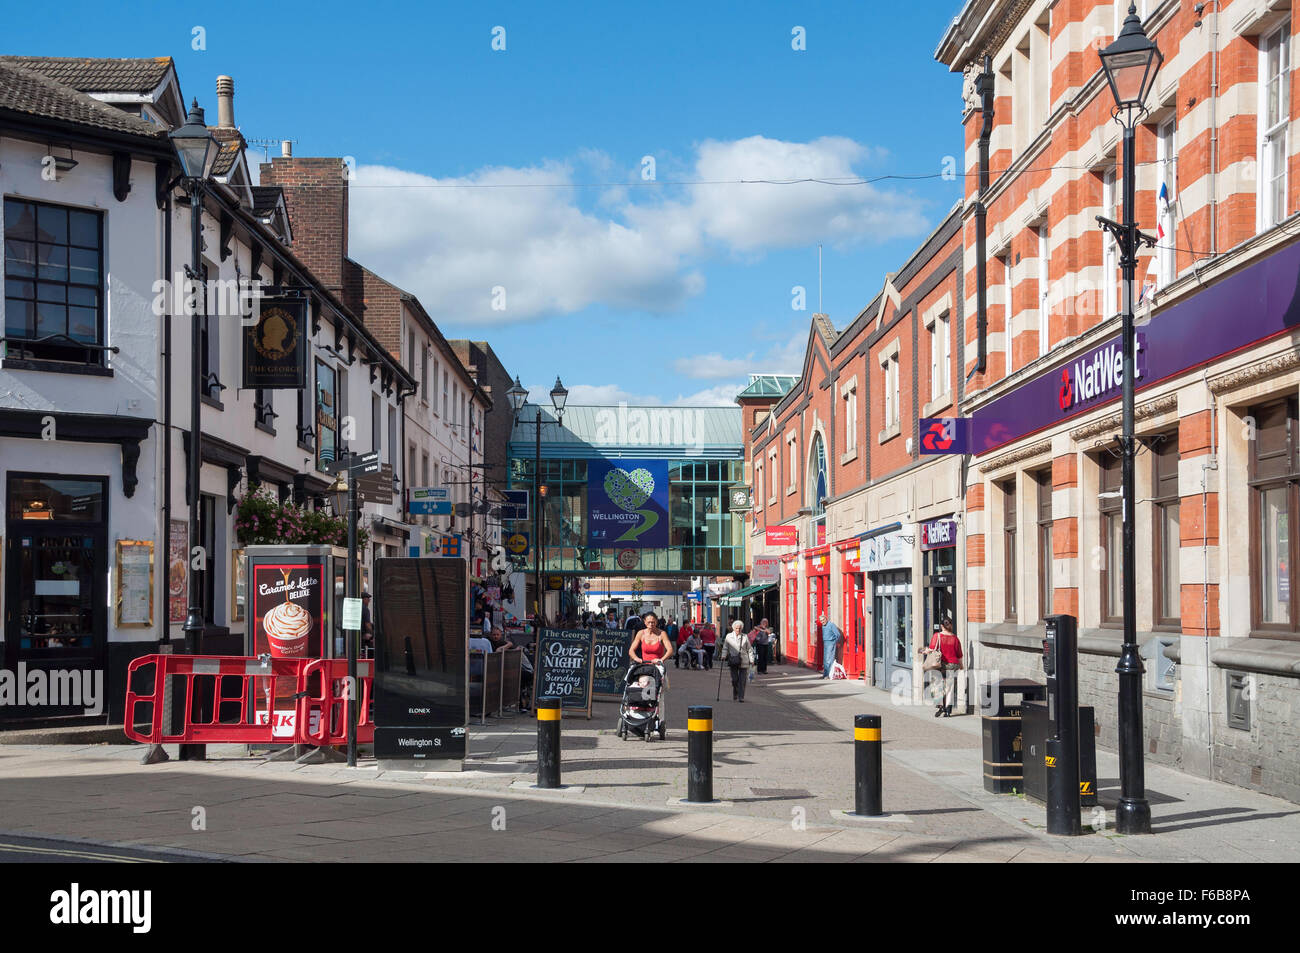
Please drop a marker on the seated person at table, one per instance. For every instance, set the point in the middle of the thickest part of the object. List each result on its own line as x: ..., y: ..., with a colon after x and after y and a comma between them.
x: 478, y: 644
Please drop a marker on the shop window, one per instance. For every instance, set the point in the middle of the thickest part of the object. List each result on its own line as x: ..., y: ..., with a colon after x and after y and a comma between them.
x: 1110, y: 505
x: 1274, y: 508
x: 1165, y: 539
x: 1009, y: 548
x: 1043, y: 483
x: 53, y: 287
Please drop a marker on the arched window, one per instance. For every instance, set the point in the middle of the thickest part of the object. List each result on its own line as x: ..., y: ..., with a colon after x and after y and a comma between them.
x: 815, y: 497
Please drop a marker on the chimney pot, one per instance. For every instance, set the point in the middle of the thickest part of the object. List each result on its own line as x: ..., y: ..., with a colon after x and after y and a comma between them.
x: 286, y: 148
x: 225, y: 102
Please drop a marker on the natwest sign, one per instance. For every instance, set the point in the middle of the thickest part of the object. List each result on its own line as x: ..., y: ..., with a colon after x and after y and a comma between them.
x: 938, y: 534
x: 1098, y: 375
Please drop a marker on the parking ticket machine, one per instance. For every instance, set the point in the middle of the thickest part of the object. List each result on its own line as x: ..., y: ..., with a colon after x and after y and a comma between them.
x: 1061, y: 666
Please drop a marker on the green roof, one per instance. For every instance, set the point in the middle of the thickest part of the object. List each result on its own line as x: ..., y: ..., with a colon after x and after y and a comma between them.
x: 769, y: 385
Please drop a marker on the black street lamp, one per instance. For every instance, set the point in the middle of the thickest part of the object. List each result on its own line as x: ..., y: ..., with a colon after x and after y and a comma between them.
x: 518, y: 395
x: 1130, y: 64
x: 193, y: 145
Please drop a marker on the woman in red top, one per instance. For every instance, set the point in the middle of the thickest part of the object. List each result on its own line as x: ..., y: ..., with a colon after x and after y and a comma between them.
x: 654, y: 645
x: 709, y: 639
x: 950, y: 648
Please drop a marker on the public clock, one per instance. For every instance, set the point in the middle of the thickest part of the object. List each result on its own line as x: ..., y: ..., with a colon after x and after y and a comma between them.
x: 740, y: 499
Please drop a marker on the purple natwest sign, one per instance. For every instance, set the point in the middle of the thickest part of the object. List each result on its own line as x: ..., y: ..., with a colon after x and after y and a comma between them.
x: 1254, y: 304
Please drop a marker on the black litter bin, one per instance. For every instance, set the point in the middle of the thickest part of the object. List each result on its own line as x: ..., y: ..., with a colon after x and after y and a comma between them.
x: 1036, y: 727
x: 1003, y: 755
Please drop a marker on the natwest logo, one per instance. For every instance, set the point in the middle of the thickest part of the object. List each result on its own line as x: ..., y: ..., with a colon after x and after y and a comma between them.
x: 1097, y: 375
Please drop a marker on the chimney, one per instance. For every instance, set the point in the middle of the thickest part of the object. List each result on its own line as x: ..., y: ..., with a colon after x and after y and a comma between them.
x: 316, y: 194
x: 225, y: 102
x: 286, y: 148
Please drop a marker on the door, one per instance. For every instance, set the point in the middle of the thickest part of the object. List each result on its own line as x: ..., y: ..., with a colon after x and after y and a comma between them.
x: 892, y: 630
x: 855, y: 631
x: 56, y: 572
x: 818, y: 604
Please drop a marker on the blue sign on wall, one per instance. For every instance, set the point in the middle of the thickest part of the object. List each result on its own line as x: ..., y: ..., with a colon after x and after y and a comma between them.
x: 627, y: 504
x: 429, y: 501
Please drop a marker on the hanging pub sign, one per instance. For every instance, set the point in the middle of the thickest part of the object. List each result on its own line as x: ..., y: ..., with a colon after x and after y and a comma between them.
x: 275, y: 345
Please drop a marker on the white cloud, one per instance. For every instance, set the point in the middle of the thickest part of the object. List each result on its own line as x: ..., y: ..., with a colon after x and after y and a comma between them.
x: 783, y: 358
x: 452, y: 241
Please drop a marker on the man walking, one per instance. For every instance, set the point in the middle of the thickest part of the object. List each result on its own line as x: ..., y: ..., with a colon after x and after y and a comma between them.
x: 831, y: 636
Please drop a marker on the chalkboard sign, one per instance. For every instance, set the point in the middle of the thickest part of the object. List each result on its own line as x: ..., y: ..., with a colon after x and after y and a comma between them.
x: 563, y: 668
x: 610, y: 662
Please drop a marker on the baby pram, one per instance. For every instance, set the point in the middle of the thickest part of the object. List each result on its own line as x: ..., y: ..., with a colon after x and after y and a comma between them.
x: 640, y: 711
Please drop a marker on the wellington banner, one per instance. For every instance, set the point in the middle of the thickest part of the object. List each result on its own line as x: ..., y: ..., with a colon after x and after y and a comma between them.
x: 275, y: 346
x: 627, y: 504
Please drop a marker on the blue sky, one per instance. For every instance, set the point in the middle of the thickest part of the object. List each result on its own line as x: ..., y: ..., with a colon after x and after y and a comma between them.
x: 522, y: 169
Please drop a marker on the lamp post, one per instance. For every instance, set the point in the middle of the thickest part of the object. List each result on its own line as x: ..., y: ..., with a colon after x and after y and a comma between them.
x: 518, y: 395
x: 193, y: 144
x: 1130, y: 64
x: 344, y: 492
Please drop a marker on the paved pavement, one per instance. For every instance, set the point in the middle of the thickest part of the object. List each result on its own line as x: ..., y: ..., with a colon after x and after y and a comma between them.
x: 783, y: 770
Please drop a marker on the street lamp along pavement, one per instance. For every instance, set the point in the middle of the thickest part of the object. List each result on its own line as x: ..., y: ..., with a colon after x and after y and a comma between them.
x: 194, y: 152
x: 518, y: 395
x: 1130, y: 64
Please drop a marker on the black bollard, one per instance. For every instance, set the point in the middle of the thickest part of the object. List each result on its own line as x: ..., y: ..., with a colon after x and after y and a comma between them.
x: 699, y: 754
x: 867, y: 799
x: 548, y: 742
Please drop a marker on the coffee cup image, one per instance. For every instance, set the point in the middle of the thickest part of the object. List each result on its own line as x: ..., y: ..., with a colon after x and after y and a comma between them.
x: 287, y: 628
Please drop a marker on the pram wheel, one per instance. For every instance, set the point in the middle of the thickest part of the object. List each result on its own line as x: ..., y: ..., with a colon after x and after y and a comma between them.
x: 663, y: 731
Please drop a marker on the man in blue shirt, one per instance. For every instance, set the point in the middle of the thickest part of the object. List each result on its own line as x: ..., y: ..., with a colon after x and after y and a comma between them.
x: 831, y: 636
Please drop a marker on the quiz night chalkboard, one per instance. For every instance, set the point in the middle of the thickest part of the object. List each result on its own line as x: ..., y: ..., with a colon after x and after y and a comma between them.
x: 610, y: 661
x: 563, y: 663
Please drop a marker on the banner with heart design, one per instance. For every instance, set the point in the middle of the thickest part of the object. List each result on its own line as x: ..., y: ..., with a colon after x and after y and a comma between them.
x: 627, y: 504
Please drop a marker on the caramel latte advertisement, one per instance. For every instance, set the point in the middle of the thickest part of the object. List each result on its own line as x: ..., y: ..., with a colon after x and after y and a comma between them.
x: 288, y: 610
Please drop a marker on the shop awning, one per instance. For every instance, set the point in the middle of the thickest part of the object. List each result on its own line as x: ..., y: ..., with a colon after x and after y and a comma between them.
x: 880, y: 530
x: 735, y: 598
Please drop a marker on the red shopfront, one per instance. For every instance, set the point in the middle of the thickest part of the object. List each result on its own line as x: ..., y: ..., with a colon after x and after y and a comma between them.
x: 818, y: 567
x: 853, y: 586
x: 790, y: 601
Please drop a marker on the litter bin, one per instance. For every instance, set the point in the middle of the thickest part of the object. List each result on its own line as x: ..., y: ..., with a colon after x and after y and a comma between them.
x: 1003, y: 754
x: 1036, y: 727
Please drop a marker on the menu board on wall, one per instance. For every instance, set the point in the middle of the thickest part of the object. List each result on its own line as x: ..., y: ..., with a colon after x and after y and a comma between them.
x: 564, y: 668
x: 134, y: 583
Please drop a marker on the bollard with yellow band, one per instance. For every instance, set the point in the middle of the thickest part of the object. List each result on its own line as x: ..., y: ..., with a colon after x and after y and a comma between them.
x: 867, y: 800
x: 548, y: 742
x: 699, y: 754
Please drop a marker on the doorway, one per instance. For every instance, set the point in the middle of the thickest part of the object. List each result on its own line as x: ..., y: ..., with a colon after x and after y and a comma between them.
x: 56, y: 578
x: 892, y: 628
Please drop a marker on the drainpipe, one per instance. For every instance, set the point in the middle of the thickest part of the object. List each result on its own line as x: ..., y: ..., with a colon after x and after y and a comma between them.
x: 984, y: 86
x: 1211, y: 464
x: 165, y: 614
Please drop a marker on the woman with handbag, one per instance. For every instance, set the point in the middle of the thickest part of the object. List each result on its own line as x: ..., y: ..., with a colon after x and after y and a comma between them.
x: 740, y: 656
x: 944, y: 656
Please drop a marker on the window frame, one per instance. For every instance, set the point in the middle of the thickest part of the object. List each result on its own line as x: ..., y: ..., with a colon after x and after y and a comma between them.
x: 1284, y: 475
x: 1046, y: 555
x: 1276, y: 40
x: 93, y: 354
x: 1165, y: 496
x: 1044, y: 331
x: 1110, y: 479
x: 1010, y: 607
